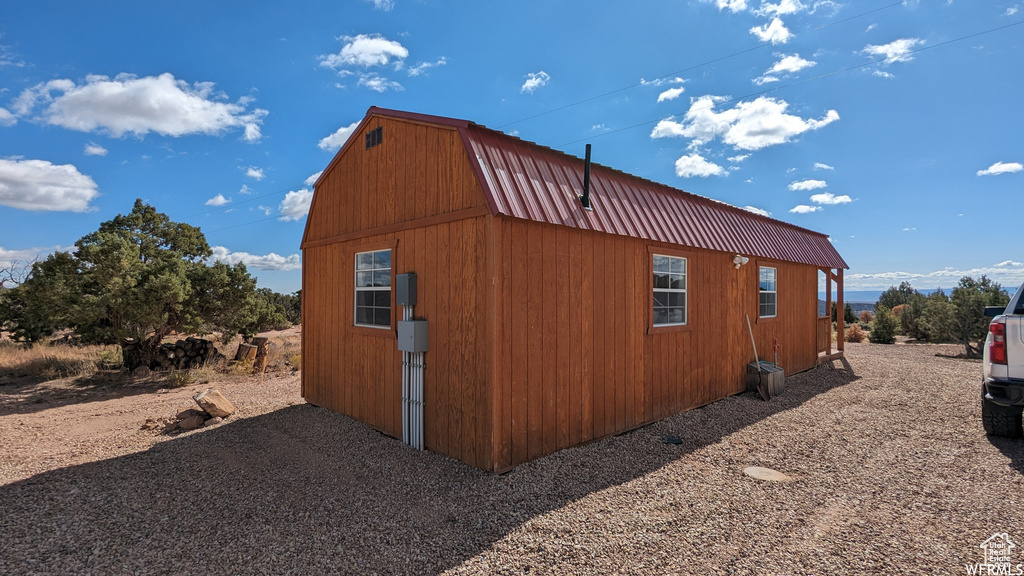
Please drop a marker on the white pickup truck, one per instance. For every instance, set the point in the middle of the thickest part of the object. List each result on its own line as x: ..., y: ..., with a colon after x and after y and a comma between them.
x: 1002, y: 389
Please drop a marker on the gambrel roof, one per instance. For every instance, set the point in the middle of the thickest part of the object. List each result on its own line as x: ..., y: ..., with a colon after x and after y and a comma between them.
x: 525, y: 180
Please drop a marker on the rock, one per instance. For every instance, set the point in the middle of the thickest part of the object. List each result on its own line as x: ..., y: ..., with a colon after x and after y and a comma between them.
x: 142, y: 372
x: 215, y: 403
x: 171, y: 426
x: 191, y: 423
x: 191, y: 412
x: 213, y: 421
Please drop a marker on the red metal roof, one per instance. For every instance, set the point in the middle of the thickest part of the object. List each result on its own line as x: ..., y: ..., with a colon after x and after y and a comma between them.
x: 525, y: 180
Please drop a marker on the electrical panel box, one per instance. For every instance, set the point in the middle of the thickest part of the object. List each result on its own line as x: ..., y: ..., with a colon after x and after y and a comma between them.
x: 405, y: 289
x: 412, y: 335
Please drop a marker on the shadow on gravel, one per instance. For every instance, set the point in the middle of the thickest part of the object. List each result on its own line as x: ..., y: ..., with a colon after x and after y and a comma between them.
x: 1012, y: 448
x: 22, y: 396
x: 305, y: 490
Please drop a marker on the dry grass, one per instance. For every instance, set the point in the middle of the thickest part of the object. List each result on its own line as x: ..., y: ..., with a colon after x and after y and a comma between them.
x: 46, y: 362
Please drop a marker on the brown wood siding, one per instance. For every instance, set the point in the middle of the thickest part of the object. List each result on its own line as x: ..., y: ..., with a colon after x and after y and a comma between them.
x: 357, y: 371
x: 574, y: 359
x: 418, y: 171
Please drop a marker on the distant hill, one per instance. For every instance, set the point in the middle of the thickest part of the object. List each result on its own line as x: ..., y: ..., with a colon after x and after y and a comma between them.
x: 862, y: 296
x: 857, y: 307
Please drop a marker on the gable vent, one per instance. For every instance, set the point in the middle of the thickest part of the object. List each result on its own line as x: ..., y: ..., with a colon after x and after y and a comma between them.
x: 374, y: 137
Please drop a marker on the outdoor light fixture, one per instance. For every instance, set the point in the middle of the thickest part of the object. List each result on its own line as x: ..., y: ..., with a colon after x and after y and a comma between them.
x: 739, y: 260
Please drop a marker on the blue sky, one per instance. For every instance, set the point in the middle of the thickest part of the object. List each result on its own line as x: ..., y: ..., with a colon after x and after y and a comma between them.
x: 894, y: 127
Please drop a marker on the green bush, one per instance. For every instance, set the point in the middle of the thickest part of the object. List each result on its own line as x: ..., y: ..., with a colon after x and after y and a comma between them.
x: 883, y: 329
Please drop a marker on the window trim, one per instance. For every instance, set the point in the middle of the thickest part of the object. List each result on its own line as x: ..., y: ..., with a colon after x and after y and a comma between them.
x: 668, y: 328
x: 774, y: 267
x: 350, y: 288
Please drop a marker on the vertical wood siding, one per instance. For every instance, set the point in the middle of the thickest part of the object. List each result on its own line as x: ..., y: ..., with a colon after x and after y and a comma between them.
x: 358, y: 372
x: 538, y: 333
x: 574, y: 360
x: 418, y: 171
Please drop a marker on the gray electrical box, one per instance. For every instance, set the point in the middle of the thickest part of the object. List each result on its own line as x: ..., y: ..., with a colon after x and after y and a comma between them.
x: 405, y: 289
x: 412, y: 335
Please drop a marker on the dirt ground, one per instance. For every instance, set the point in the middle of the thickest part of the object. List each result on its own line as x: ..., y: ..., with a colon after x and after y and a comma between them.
x: 889, y: 472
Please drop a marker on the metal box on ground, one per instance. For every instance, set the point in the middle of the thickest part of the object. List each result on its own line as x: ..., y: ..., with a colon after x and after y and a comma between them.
x: 770, y: 377
x: 412, y: 335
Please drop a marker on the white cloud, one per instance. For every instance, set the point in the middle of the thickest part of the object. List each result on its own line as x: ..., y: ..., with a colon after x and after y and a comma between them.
x: 132, y: 105
x: 254, y: 173
x: 534, y: 80
x: 830, y: 199
x: 336, y: 140
x: 804, y: 209
x: 749, y: 126
x: 1009, y: 273
x: 807, y: 185
x: 821, y: 166
x: 597, y: 127
x: 896, y: 51
x: 781, y: 9
x: 757, y: 210
x: 295, y: 205
x: 267, y: 210
x: 671, y: 94
x: 1011, y: 11
x: 366, y: 50
x: 910, y: 229
x: 883, y: 74
x: 270, y: 261
x: 93, y: 149
x: 871, y: 27
x: 40, y: 185
x: 733, y: 5
x: 1001, y: 168
x: 774, y: 32
x: 695, y: 165
x: 662, y: 81
x: 313, y: 178
x: 378, y: 83
x: 424, y: 66
x: 385, y: 5
x: 787, y: 64
x: 245, y: 190
x: 7, y: 118
x: 739, y: 158
x: 218, y: 200
x: 25, y: 255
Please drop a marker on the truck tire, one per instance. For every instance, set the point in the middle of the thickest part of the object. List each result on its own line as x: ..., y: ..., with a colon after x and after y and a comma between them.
x: 1001, y: 420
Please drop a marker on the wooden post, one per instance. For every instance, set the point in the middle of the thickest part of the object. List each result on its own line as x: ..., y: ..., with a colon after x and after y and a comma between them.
x: 262, y: 343
x: 828, y: 306
x: 840, y: 312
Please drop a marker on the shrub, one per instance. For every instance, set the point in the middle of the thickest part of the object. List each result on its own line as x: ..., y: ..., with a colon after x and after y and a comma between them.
x: 883, y: 329
x: 854, y: 334
x: 867, y: 317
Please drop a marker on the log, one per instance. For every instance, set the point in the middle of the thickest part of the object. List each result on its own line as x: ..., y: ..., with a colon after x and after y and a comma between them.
x: 246, y: 352
x: 259, y: 365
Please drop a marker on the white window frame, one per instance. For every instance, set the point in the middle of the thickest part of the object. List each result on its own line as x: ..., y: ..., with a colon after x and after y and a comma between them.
x: 682, y: 289
x: 763, y: 278
x: 372, y: 270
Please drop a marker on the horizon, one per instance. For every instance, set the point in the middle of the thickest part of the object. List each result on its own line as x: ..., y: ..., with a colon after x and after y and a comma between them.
x: 861, y: 122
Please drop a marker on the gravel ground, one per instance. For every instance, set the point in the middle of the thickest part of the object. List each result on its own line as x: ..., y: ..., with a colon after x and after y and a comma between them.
x: 891, y: 473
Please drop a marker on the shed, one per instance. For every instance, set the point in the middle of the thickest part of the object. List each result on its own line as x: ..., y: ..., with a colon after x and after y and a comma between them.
x: 550, y: 325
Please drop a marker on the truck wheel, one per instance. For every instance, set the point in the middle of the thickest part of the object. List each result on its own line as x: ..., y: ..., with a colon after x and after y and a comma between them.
x: 1001, y: 420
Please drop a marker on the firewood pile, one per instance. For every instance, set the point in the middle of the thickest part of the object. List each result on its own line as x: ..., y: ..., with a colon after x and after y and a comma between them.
x: 181, y: 355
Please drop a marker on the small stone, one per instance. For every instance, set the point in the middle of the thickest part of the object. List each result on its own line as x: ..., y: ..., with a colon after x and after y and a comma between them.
x: 189, y: 413
x: 214, y: 421
x: 171, y: 426
x: 215, y: 403
x: 766, y: 474
x: 142, y: 372
x: 191, y: 423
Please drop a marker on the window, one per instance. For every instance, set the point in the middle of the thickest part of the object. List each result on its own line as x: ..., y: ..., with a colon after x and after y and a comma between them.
x: 767, y: 295
x: 373, y: 289
x: 669, y: 290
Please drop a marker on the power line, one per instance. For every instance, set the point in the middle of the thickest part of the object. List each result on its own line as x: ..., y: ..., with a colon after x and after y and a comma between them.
x: 701, y: 65
x: 796, y: 83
